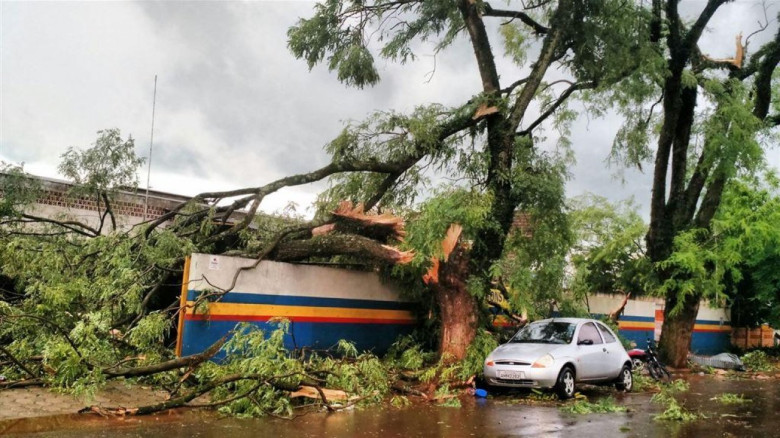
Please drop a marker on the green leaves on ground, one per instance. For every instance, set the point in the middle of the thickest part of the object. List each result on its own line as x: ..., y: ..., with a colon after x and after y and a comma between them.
x: 674, y: 410
x: 731, y: 399
x: 603, y: 405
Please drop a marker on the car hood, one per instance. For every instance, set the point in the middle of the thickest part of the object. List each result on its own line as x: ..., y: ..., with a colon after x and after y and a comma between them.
x: 528, y: 352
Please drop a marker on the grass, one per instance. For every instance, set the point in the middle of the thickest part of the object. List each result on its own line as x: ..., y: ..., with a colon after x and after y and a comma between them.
x: 731, y: 399
x: 602, y: 406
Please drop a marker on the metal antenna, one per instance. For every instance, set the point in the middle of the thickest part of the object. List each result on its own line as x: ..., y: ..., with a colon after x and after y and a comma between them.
x: 151, y: 143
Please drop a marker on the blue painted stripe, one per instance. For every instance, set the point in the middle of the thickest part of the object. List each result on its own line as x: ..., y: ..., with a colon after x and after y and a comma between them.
x: 701, y: 343
x: 199, y: 335
x: 289, y: 300
x: 713, y: 322
x: 626, y: 317
x: 652, y: 319
x: 710, y: 342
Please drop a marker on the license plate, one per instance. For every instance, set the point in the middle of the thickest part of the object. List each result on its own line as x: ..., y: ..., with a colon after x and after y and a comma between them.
x: 511, y: 375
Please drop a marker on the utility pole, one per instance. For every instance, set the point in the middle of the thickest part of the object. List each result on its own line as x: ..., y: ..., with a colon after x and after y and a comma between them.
x: 151, y: 144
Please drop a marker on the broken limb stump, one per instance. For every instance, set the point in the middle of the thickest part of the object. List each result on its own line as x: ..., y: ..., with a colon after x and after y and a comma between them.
x: 458, y: 307
x: 615, y: 314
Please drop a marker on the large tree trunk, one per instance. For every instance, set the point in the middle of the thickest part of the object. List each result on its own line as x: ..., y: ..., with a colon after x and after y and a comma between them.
x: 457, y: 306
x: 458, y: 321
x: 677, y: 330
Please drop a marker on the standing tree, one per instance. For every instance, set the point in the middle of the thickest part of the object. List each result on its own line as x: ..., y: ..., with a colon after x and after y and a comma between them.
x: 713, y: 111
x: 488, y: 142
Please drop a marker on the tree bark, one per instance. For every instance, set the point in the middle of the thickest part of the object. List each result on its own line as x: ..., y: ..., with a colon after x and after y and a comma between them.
x: 669, y: 216
x: 677, y: 329
x: 339, y: 244
x: 457, y: 306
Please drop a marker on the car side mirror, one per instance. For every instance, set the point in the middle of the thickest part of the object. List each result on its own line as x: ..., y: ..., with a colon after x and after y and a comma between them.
x: 585, y: 342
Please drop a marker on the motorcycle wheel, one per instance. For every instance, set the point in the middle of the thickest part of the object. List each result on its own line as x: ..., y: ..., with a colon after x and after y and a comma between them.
x: 654, y: 370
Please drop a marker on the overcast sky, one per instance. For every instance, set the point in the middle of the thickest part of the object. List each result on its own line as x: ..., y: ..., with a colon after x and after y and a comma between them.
x: 234, y: 107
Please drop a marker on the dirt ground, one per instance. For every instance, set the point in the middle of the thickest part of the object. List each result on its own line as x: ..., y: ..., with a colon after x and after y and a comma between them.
x: 508, y: 415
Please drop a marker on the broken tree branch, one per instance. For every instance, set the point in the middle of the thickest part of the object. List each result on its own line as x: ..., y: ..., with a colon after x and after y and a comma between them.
x: 615, y: 314
x: 181, y: 362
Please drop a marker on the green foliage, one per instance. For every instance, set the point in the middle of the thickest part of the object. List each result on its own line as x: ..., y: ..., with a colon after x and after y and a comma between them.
x: 731, y: 399
x: 607, y: 38
x: 669, y: 390
x: 644, y: 383
x: 406, y: 353
x: 427, y: 228
x: 272, y: 371
x: 743, y: 242
x: 399, y: 401
x: 749, y: 213
x: 534, y: 261
x: 389, y: 137
x: 17, y: 190
x: 111, y: 163
x: 448, y: 397
x: 609, y: 253
x: 757, y: 361
x: 340, y: 31
x: 150, y: 330
x: 516, y: 42
x: 474, y: 361
x: 604, y: 405
x: 674, y: 411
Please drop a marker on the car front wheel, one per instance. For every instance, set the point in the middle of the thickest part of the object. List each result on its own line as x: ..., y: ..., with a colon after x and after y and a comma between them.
x: 565, y: 385
x: 625, y: 381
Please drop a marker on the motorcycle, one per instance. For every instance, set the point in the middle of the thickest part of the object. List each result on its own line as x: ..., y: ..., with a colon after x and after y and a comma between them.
x: 641, y: 359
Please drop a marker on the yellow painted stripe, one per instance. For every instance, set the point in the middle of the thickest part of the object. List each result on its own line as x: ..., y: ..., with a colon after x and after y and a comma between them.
x: 302, y: 311
x: 724, y: 327
x: 182, y: 302
x: 636, y: 324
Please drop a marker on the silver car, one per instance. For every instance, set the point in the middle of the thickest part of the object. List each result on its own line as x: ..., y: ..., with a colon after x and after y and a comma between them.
x: 557, y: 353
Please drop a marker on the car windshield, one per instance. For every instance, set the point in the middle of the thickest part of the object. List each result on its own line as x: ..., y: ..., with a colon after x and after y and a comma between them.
x: 552, y: 332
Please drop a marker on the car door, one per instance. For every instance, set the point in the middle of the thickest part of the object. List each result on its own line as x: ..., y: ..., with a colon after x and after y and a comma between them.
x: 613, y: 361
x: 590, y: 353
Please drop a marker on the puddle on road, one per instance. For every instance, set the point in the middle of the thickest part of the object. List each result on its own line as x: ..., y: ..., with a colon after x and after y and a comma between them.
x: 493, y: 417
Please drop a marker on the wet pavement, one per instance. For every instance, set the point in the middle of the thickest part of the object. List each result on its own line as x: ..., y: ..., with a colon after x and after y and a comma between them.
x: 40, y: 402
x: 495, y: 417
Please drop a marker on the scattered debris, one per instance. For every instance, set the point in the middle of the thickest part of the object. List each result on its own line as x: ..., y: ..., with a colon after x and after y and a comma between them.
x: 602, y: 406
x: 726, y: 361
x: 731, y: 399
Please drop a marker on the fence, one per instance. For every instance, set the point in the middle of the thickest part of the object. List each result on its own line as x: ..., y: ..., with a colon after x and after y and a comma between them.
x: 745, y: 338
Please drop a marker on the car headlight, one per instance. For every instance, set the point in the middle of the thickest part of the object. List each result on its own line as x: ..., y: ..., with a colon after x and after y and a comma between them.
x: 543, y: 362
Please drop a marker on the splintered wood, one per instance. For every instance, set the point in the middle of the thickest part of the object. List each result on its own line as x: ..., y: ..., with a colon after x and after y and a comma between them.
x: 739, y: 55
x: 380, y: 228
x: 447, y: 246
x: 615, y: 314
x: 376, y: 226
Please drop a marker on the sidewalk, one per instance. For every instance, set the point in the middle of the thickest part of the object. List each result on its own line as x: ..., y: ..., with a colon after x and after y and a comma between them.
x: 41, y: 402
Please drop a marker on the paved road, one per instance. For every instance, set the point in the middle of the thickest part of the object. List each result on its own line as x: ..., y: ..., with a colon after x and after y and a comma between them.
x: 497, y: 417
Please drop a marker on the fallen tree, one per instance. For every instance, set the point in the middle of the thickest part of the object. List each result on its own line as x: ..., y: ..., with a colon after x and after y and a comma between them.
x: 107, y: 298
